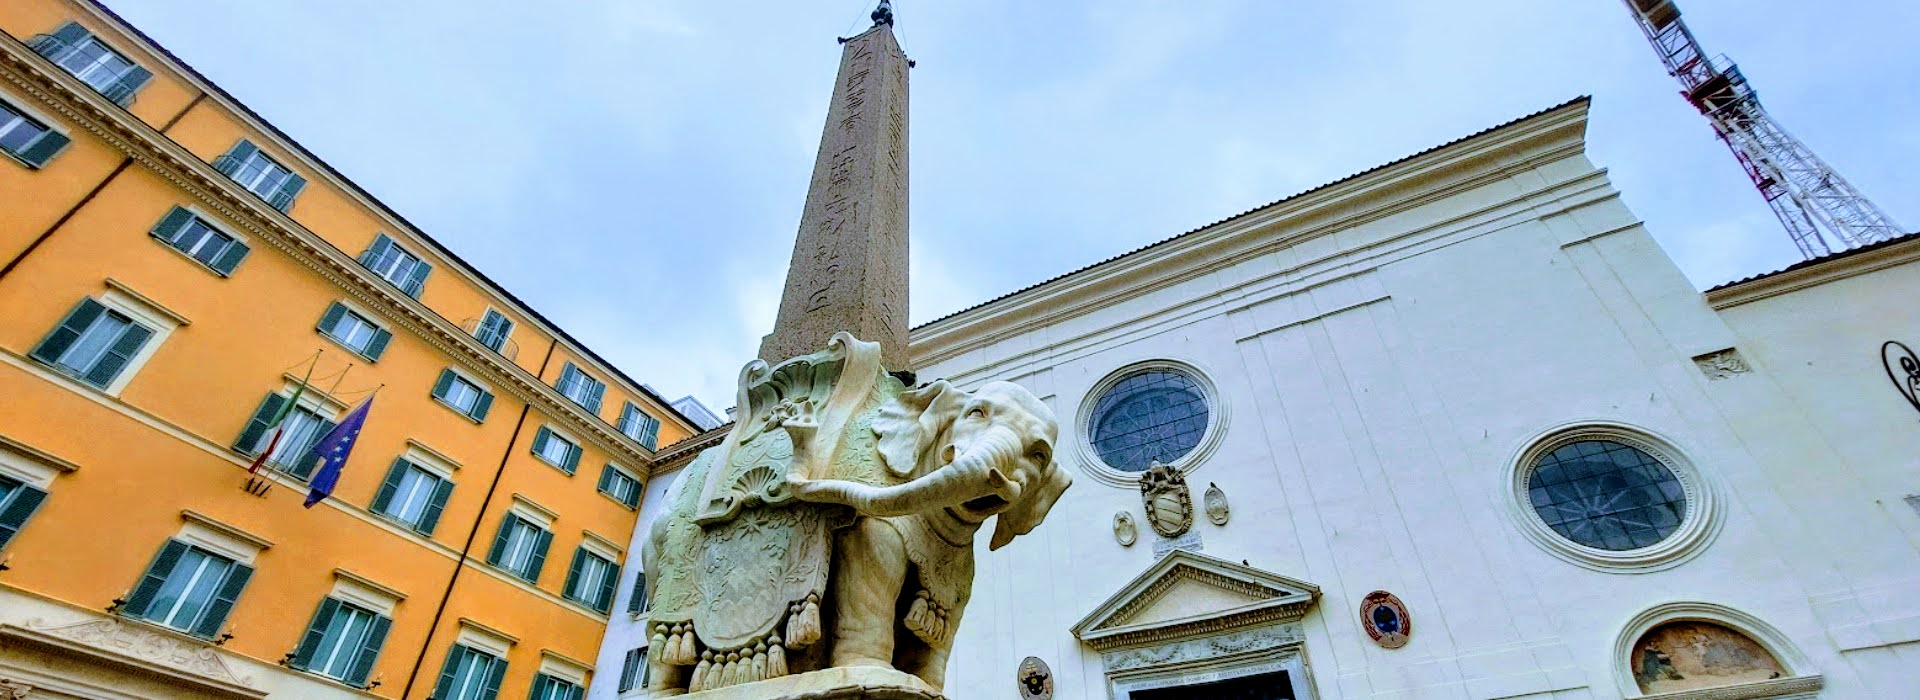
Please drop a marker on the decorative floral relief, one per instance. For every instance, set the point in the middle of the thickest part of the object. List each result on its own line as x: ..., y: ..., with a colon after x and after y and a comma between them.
x: 1205, y: 648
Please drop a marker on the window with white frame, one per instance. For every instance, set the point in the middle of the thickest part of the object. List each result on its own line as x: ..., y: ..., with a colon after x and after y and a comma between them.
x: 396, y: 265
x: 493, y: 330
x: 93, y: 343
x: 18, y: 501
x: 193, y: 236
x: 582, y: 389
x: 591, y: 579
x: 27, y: 138
x: 413, y: 495
x: 355, y: 330
x: 636, y: 424
x: 520, y: 547
x: 633, y: 669
x: 470, y: 674
x: 342, y: 643
x: 462, y: 394
x: 297, y: 427
x: 555, y: 449
x: 547, y: 687
x: 617, y: 484
x: 260, y: 174
x: 79, y: 52
x: 188, y: 588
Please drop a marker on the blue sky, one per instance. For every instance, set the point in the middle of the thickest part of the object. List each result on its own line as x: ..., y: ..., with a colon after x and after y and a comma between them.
x: 635, y: 169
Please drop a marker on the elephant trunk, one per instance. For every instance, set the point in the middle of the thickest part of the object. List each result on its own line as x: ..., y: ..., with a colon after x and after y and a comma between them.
x: 972, y: 474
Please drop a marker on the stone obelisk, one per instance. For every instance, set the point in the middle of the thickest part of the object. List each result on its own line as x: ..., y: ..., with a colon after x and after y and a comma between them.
x: 849, y: 269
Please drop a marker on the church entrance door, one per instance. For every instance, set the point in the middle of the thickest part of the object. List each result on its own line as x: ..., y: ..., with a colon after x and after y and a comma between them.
x: 1264, y: 686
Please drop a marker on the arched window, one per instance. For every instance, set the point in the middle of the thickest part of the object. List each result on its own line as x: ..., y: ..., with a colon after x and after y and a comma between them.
x: 1697, y: 650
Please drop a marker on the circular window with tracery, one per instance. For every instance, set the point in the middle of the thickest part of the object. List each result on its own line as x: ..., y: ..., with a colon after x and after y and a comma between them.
x: 1151, y: 415
x: 1612, y: 497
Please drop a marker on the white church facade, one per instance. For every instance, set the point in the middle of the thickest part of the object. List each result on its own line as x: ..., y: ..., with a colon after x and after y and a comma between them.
x: 1454, y: 427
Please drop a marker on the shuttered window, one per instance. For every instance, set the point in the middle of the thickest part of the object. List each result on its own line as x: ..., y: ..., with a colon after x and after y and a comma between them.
x: 294, y: 453
x: 93, y: 343
x: 194, y: 236
x: 461, y: 394
x: 591, y: 580
x: 342, y: 643
x: 493, y: 330
x: 620, y: 486
x: 189, y: 589
x: 636, y: 424
x: 470, y: 674
x: 633, y: 670
x: 260, y: 174
x: 584, y: 390
x: 547, y: 687
x: 79, y: 52
x: 396, y: 265
x: 355, y: 331
x: 413, y: 496
x: 26, y: 139
x: 520, y: 547
x: 556, y: 450
x: 637, y: 601
x: 18, y: 501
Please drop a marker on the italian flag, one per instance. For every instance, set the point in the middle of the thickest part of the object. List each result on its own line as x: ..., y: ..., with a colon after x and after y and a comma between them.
x: 279, y: 423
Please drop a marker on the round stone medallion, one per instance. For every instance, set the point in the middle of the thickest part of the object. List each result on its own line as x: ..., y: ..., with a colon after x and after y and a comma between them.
x: 1035, y: 679
x: 1386, y: 620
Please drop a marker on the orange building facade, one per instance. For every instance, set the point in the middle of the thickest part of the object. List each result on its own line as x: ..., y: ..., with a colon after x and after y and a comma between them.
x: 174, y: 267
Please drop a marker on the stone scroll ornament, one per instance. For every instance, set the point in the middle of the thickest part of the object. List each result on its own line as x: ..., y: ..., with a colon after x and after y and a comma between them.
x: 1906, y: 379
x: 1385, y: 619
x: 1169, y: 505
x: 842, y: 507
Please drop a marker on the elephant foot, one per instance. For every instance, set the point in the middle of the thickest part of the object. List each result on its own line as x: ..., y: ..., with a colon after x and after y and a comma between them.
x: 839, y: 661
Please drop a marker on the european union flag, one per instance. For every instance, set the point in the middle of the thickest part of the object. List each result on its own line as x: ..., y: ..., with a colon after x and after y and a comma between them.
x: 333, y: 450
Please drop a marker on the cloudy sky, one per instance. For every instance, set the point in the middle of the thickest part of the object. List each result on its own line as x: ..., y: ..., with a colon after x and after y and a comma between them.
x: 635, y: 169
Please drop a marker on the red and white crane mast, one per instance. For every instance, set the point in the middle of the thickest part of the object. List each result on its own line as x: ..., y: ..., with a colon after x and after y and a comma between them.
x: 1820, y: 210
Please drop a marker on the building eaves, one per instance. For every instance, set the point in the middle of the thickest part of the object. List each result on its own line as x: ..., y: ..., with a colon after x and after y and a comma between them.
x: 1579, y: 101
x: 290, y: 142
x: 1822, y: 260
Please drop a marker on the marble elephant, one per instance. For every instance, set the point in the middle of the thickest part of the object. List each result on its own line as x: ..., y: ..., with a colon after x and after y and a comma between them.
x: 835, y: 527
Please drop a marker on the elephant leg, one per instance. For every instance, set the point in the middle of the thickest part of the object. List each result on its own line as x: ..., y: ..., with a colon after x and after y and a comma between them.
x: 663, y: 677
x: 871, y: 568
x: 929, y: 662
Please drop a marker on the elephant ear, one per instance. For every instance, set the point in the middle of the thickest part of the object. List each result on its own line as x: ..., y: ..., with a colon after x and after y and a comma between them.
x: 910, y: 426
x: 1032, y: 508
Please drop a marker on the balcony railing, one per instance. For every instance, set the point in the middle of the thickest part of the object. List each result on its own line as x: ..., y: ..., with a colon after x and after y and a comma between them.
x: 503, y: 345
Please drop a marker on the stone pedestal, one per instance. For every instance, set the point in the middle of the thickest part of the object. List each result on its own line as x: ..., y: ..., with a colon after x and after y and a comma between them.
x: 845, y: 683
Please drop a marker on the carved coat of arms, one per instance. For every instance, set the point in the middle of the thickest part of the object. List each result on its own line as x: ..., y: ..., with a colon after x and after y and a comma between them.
x: 1169, y: 506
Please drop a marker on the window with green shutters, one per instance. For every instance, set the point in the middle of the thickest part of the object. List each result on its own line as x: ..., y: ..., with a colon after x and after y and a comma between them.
x: 93, y: 343
x: 493, y: 330
x: 637, y: 600
x: 547, y: 687
x: 260, y: 174
x: 470, y: 674
x: 462, y: 394
x: 342, y: 642
x: 633, y: 670
x: 18, y: 501
x: 591, y: 580
x: 190, y: 234
x: 413, y: 496
x: 396, y: 265
x: 520, y: 547
x: 620, y: 486
x: 79, y: 52
x: 636, y: 424
x: 584, y: 390
x: 26, y: 139
x: 188, y: 589
x: 555, y: 450
x: 355, y: 331
x: 294, y: 454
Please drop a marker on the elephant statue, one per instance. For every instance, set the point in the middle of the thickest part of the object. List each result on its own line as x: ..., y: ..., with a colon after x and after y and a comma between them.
x: 835, y: 527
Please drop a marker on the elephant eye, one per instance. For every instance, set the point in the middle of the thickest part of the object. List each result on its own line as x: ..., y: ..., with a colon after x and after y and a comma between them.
x: 976, y: 413
x: 1039, y: 456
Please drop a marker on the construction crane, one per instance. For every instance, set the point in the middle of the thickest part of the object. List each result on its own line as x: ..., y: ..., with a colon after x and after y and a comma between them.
x: 1820, y: 210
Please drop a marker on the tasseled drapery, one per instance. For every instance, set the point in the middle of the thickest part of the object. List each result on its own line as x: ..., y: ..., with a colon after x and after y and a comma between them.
x: 803, y: 622
x: 702, y: 673
x: 776, y: 658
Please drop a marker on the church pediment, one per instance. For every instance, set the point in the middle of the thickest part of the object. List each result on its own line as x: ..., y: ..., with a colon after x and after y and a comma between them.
x: 1187, y: 594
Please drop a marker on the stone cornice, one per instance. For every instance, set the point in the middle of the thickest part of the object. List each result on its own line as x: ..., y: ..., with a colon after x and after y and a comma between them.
x: 1835, y: 268
x: 1491, y: 156
x: 189, y: 664
x: 60, y: 92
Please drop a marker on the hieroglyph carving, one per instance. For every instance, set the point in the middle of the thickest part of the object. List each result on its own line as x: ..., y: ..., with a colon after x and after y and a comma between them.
x: 1273, y: 637
x: 197, y: 658
x: 840, y: 499
x: 1169, y: 506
